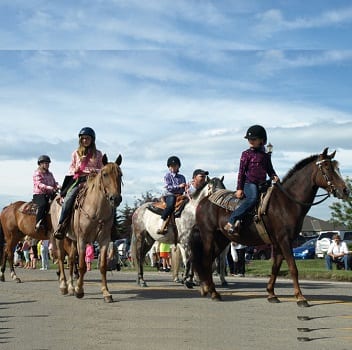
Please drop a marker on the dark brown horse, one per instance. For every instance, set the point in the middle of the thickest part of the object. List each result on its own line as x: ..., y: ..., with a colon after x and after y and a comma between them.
x: 288, y: 205
x: 91, y: 220
x: 16, y: 223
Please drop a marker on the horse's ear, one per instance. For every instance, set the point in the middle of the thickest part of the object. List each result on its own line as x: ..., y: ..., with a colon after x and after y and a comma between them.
x: 222, y: 179
x: 208, y: 178
x: 105, y: 159
x: 332, y: 155
x: 118, y: 160
x: 325, y: 152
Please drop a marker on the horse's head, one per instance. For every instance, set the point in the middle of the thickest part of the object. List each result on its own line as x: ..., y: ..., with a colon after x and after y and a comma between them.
x: 215, y: 184
x: 329, y: 177
x: 111, y: 179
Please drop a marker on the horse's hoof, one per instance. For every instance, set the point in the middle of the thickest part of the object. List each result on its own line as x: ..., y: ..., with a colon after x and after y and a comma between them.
x: 18, y: 280
x: 143, y: 284
x: 303, y: 303
x: 189, y: 284
x: 2, y: 278
x: 177, y: 280
x: 108, y: 299
x: 216, y: 297
x: 79, y: 295
x: 224, y: 284
x: 274, y: 300
x: 63, y: 291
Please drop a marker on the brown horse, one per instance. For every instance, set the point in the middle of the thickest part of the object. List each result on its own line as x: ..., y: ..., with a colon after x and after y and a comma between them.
x: 91, y: 220
x: 288, y: 205
x: 16, y: 223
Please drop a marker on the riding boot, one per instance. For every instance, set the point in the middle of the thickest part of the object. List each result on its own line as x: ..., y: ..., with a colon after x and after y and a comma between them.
x: 233, y: 229
x: 60, y: 231
x: 163, y: 227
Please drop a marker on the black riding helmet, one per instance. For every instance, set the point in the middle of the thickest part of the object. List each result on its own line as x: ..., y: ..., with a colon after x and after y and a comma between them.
x: 44, y: 159
x: 256, y: 132
x: 173, y: 160
x: 87, y: 131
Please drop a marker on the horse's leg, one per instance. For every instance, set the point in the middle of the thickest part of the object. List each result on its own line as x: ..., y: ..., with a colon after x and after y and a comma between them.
x: 3, y: 265
x: 222, y: 266
x: 275, y: 268
x: 141, y: 248
x: 202, y: 261
x: 60, y: 260
x: 9, y: 257
x: 72, y: 267
x: 291, y: 263
x: 175, y: 263
x: 82, y: 267
x: 103, y: 267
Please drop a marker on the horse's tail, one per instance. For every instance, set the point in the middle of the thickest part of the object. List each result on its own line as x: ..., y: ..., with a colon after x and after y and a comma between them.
x: 196, y: 246
x: 2, y: 242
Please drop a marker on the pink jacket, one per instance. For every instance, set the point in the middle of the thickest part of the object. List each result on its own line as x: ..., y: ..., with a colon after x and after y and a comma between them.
x: 89, y: 252
x: 93, y: 165
x: 44, y: 182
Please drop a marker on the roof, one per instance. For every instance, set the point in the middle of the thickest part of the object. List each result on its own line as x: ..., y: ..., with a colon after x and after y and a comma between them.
x: 312, y: 224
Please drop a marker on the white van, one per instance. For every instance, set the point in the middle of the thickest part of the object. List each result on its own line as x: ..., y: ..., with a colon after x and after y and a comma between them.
x: 324, y: 239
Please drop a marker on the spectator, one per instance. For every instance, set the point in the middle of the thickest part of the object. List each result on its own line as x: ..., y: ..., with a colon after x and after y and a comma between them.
x: 44, y: 253
x: 238, y: 252
x: 25, y: 248
x: 89, y: 255
x: 165, y: 251
x: 337, y: 253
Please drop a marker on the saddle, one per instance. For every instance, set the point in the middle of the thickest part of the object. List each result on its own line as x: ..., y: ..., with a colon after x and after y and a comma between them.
x: 226, y: 199
x: 158, y: 207
x: 29, y: 208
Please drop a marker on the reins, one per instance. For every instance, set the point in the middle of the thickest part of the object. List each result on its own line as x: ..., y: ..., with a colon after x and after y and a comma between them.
x: 283, y: 190
x: 326, y: 178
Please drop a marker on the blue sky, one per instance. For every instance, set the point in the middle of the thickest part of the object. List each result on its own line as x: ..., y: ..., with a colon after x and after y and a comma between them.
x: 158, y: 78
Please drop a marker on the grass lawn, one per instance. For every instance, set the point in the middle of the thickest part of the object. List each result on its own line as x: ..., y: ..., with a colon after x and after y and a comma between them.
x: 312, y: 269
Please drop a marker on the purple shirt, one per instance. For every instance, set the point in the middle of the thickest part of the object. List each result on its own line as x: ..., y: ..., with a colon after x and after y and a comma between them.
x: 173, y: 182
x: 254, y: 165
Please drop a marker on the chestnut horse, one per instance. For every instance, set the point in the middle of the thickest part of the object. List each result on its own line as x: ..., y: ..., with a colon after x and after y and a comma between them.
x: 91, y: 220
x: 288, y: 205
x: 15, y: 224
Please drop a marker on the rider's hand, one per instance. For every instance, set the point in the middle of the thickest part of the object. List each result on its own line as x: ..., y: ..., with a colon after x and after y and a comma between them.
x: 239, y: 194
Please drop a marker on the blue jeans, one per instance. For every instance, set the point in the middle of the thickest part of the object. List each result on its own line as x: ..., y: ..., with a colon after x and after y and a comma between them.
x: 329, y: 260
x: 68, y: 203
x: 251, y: 195
x: 170, y: 201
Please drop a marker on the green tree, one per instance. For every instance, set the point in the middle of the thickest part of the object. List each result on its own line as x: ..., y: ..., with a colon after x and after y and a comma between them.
x: 123, y: 223
x: 342, y: 210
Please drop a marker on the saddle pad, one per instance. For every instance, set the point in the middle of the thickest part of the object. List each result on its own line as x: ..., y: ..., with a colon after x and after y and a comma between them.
x: 158, y: 207
x: 225, y: 199
x: 28, y: 208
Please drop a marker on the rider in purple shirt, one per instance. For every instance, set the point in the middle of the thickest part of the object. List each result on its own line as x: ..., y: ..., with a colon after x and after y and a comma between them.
x: 255, y: 164
x: 175, y: 184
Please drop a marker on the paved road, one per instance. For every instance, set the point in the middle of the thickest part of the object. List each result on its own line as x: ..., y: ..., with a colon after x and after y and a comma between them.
x: 167, y: 316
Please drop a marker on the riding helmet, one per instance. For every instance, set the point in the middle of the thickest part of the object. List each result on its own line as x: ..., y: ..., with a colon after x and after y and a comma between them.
x: 44, y: 159
x: 173, y: 160
x: 256, y: 132
x: 87, y: 131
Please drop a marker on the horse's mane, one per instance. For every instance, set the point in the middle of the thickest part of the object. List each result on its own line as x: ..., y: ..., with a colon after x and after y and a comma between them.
x: 301, y: 164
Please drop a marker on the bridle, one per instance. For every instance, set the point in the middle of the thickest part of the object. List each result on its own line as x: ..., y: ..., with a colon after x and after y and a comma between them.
x: 330, y: 186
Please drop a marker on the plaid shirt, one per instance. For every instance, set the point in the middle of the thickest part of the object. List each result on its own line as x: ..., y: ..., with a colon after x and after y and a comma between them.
x: 42, y: 181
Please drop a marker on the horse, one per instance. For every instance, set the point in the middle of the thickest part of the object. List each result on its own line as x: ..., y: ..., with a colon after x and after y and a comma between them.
x: 92, y: 220
x: 145, y: 226
x: 17, y: 220
x: 286, y: 208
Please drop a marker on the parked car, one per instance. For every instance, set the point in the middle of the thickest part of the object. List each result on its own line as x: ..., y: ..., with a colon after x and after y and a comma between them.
x: 325, y: 238
x: 306, y: 250
x: 259, y: 252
